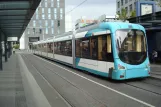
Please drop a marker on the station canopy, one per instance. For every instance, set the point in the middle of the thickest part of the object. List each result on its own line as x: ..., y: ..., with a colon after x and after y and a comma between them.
x: 15, y: 16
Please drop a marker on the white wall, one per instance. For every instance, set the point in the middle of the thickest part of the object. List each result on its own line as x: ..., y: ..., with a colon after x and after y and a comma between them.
x: 22, y: 42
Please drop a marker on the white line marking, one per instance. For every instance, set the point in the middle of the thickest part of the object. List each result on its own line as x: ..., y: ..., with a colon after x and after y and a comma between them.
x: 123, y: 94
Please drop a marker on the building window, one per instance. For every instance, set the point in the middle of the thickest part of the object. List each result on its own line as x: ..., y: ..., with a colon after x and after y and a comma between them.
x: 52, y: 23
x: 58, y: 5
x: 49, y: 16
x: 46, y: 31
x: 34, y: 23
x: 126, y: 1
x: 61, y: 10
x: 52, y: 3
x: 52, y: 31
x: 28, y: 32
x: 118, y: 4
x: 42, y: 10
x: 46, y: 4
x: 55, y: 16
x: 130, y: 7
x: 61, y: 16
x: 46, y: 23
x: 126, y: 8
x: 49, y: 10
x: 55, y: 11
x: 40, y: 23
x: 134, y: 5
x: 122, y: 2
x: 43, y: 16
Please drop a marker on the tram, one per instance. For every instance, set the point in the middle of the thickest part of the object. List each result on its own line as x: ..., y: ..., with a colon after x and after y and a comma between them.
x: 116, y: 50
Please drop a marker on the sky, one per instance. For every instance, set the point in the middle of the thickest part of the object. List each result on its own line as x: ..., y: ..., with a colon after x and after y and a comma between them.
x: 90, y: 9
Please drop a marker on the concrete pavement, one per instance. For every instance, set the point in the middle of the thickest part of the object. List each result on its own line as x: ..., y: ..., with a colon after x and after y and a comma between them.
x: 156, y: 71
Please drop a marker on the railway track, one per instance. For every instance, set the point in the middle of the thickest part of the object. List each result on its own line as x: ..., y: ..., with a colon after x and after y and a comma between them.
x: 61, y: 96
x: 70, y: 104
x: 151, y: 85
x: 141, y: 84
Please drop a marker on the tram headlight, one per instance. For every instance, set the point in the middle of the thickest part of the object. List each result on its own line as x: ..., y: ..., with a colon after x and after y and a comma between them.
x: 120, y: 66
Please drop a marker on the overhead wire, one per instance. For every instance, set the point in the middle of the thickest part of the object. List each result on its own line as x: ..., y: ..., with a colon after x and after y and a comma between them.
x: 76, y: 7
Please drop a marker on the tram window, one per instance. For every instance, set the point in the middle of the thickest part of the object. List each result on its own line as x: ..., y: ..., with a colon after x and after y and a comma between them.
x: 102, y: 47
x: 59, y: 48
x: 78, y: 48
x: 68, y: 48
x: 44, y: 47
x: 62, y: 45
x: 85, y: 48
x: 93, y: 47
x: 35, y: 47
x: 109, y: 49
x: 40, y: 47
x: 50, y: 47
x: 63, y: 48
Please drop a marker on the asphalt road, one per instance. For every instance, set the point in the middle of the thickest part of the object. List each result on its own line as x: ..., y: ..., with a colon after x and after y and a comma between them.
x: 64, y: 86
x: 156, y: 71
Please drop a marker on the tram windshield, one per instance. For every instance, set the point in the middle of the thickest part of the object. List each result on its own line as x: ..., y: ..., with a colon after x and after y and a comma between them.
x: 131, y: 46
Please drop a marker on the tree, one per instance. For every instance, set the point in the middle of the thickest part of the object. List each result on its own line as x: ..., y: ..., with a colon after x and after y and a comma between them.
x: 158, y: 2
x: 123, y: 14
x: 132, y: 13
x: 16, y: 46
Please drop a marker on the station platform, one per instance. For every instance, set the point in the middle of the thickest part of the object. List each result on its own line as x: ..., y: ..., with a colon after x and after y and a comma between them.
x: 31, y: 81
x: 11, y: 86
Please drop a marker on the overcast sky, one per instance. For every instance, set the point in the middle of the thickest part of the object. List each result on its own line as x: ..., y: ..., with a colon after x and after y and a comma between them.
x: 91, y: 8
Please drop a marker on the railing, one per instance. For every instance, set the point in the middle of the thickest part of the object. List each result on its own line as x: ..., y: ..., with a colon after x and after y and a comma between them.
x: 146, y: 18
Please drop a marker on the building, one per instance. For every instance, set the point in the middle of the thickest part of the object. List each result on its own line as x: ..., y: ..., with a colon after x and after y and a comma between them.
x: 47, y: 21
x: 141, y: 7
